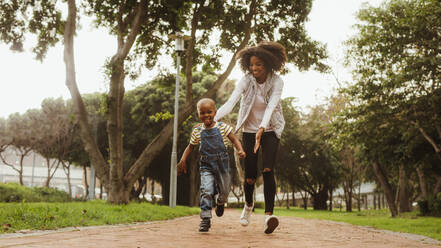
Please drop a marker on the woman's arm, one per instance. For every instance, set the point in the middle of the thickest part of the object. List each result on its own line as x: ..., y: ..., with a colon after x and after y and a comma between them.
x: 273, y: 101
x: 231, y: 102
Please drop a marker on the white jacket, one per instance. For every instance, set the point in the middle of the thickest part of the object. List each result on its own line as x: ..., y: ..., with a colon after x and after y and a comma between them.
x: 246, y: 88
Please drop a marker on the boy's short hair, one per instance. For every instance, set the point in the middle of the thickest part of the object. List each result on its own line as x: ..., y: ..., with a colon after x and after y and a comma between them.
x: 205, y: 100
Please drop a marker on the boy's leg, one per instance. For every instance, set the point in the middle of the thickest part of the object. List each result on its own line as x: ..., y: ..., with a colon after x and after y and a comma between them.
x: 223, y: 180
x: 223, y: 184
x: 207, y: 190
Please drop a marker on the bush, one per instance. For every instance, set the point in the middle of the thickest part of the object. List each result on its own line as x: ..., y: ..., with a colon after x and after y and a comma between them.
x: 431, y: 206
x: 13, y: 192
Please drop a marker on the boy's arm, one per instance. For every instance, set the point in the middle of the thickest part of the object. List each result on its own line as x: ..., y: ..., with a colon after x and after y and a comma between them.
x: 182, y: 165
x: 237, y: 144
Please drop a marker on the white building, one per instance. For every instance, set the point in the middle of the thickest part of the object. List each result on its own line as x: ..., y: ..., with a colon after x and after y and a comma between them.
x: 35, y: 173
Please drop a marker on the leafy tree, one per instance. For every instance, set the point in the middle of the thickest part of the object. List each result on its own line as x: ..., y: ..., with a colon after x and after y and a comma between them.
x: 20, y: 139
x: 394, y: 56
x: 306, y: 161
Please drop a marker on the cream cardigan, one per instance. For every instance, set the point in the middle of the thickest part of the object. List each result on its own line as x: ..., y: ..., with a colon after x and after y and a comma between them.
x: 246, y: 88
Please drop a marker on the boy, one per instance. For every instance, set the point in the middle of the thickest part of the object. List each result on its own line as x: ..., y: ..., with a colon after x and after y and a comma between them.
x: 214, y: 163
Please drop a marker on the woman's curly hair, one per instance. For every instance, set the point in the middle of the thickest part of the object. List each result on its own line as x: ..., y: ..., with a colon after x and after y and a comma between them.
x: 272, y: 54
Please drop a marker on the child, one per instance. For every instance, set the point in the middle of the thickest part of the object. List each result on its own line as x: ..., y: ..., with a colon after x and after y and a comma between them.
x: 214, y: 163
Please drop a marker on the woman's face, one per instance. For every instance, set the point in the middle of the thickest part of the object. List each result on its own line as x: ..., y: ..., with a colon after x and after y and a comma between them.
x: 257, y: 68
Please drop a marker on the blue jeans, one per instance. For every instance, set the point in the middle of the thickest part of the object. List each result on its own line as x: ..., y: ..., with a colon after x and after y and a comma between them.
x: 215, y: 170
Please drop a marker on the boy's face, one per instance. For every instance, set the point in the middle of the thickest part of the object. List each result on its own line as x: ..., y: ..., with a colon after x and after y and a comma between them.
x: 207, y: 111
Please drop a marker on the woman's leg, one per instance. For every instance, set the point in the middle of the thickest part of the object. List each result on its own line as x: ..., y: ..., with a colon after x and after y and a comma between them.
x: 270, y: 145
x: 248, y: 140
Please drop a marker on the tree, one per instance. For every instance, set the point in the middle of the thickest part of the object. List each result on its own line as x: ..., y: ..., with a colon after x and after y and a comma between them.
x: 20, y: 137
x: 396, y: 72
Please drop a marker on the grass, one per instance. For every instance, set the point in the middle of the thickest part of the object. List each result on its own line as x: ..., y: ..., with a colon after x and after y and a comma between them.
x: 46, y: 216
x: 380, y: 219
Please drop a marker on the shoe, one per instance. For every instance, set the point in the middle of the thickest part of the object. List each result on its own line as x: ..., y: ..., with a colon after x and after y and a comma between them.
x: 245, y: 216
x: 271, y: 223
x: 219, y: 210
x: 205, y: 225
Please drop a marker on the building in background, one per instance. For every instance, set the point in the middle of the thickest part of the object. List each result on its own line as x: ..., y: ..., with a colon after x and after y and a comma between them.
x: 35, y: 173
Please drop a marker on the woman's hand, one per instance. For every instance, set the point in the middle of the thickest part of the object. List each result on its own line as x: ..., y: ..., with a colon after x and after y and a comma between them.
x: 258, y: 137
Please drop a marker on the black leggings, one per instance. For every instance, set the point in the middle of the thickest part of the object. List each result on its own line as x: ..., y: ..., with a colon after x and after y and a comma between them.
x: 269, y: 143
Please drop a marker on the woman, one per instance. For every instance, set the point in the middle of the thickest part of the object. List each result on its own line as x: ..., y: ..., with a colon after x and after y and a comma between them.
x: 260, y: 116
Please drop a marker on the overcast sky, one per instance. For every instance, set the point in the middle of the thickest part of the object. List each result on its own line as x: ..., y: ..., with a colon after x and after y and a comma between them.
x: 25, y: 82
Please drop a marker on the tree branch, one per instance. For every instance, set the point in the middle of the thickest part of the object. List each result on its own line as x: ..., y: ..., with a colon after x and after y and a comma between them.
x: 135, y: 29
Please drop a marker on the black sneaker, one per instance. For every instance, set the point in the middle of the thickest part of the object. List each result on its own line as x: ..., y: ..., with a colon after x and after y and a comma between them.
x: 205, y: 225
x: 219, y: 210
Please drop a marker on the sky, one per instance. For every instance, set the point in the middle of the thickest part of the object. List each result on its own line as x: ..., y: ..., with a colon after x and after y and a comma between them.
x: 25, y: 82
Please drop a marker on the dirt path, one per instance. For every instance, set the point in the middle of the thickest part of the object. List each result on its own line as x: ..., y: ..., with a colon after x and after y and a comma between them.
x: 225, y: 232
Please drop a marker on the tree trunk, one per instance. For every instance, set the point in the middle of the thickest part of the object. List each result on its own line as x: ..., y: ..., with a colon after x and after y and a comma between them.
x: 319, y: 199
x: 348, y: 198
x: 287, y: 200
x: 293, y: 198
x: 375, y: 201
x: 90, y: 145
x: 101, y: 191
x: 69, y: 184
x: 359, y: 197
x: 437, y: 187
x: 86, y: 184
x: 381, y: 177
x: 404, y: 195
x: 153, y: 191
x: 422, y: 181
x: 330, y: 199
x: 20, y: 174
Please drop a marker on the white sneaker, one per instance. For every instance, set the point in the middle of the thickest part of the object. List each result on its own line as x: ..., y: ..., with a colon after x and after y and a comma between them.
x: 271, y: 223
x: 245, y: 216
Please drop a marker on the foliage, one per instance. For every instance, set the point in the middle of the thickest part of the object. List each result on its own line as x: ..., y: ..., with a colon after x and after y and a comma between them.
x: 46, y: 216
x: 13, y: 192
x: 37, y: 17
x: 431, y: 206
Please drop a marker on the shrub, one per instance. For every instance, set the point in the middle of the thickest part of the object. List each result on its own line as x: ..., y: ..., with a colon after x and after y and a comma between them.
x: 431, y: 206
x: 13, y: 192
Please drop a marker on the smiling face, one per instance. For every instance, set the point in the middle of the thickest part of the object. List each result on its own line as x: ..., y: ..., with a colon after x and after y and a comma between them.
x: 257, y: 68
x: 207, y: 111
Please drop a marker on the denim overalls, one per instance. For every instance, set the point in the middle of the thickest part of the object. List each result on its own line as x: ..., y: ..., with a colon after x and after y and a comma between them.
x: 215, y: 170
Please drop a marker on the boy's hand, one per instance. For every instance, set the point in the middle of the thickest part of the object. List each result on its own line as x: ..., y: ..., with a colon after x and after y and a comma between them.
x: 182, y: 167
x: 241, y: 154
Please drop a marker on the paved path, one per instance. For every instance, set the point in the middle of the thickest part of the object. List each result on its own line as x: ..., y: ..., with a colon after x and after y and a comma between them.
x: 225, y: 232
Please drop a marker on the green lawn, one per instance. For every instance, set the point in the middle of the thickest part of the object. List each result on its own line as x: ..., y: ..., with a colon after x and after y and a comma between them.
x: 44, y: 216
x: 408, y: 223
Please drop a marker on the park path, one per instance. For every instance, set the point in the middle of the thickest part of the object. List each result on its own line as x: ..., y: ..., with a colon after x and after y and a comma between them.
x: 225, y: 232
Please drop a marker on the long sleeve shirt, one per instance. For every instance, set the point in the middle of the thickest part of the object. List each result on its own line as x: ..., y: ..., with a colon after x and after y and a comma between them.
x: 246, y: 90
